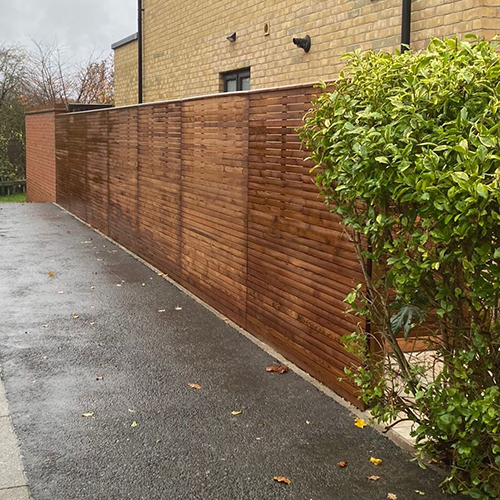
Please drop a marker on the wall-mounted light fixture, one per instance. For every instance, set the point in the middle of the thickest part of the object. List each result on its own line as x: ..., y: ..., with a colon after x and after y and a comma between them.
x: 303, y: 43
x: 232, y: 37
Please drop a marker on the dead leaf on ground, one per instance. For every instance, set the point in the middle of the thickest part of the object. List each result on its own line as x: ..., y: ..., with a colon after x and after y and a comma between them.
x: 134, y: 424
x: 373, y: 478
x: 51, y: 274
x: 342, y: 464
x: 277, y: 369
x: 194, y: 386
x: 375, y: 461
x: 89, y: 414
x: 281, y: 479
x: 359, y: 422
x: 237, y: 412
x: 392, y: 496
x: 421, y: 493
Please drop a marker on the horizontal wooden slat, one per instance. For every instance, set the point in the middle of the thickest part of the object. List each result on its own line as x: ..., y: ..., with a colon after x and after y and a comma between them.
x: 216, y: 193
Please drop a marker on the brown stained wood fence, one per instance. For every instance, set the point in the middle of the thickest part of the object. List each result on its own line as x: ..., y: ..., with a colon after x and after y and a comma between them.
x: 215, y: 192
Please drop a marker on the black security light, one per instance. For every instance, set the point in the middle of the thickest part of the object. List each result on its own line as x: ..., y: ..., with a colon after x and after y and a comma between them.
x: 303, y: 43
x: 232, y: 37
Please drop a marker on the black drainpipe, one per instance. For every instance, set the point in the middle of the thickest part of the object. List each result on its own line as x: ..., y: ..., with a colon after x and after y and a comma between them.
x: 406, y: 26
x: 139, y: 50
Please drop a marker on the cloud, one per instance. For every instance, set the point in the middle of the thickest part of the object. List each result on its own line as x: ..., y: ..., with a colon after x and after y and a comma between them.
x: 80, y: 27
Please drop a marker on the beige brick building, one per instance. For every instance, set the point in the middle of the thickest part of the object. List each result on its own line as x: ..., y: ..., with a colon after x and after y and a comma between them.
x: 186, y: 51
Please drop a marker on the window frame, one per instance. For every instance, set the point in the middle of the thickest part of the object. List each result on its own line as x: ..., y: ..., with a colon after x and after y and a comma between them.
x: 238, y: 76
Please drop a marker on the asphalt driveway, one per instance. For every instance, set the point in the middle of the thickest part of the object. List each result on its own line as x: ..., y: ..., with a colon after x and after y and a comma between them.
x: 86, y: 329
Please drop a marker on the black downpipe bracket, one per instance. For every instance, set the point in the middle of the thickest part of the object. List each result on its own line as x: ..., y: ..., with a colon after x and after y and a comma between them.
x: 406, y: 26
x: 139, y: 51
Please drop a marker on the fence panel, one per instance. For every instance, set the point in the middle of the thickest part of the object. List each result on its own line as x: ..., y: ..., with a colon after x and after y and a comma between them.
x: 97, y: 170
x: 214, y: 160
x: 215, y: 192
x: 63, y: 176
x: 160, y: 186
x: 123, y: 202
x: 77, y: 159
x: 300, y: 265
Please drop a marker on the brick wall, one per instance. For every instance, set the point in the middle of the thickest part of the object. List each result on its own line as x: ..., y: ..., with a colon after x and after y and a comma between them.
x: 126, y: 74
x: 185, y: 45
x: 41, y: 154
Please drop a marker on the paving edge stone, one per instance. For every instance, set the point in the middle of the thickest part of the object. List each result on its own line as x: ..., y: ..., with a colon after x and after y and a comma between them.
x: 13, y: 484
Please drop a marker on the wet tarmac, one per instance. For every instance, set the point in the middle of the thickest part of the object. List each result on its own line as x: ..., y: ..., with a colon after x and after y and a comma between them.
x: 86, y: 329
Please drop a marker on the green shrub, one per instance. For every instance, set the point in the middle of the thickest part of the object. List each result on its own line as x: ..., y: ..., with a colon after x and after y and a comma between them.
x: 407, y: 152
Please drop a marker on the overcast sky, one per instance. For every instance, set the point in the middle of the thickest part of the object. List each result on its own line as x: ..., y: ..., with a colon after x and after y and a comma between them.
x: 78, y: 25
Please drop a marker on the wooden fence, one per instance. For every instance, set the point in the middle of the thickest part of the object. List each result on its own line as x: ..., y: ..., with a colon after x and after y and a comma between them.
x: 9, y: 186
x: 215, y: 192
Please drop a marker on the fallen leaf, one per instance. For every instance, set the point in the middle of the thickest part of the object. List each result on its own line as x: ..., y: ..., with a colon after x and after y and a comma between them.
x: 194, y: 386
x: 51, y: 274
x: 178, y: 308
x: 99, y: 378
x: 392, y: 496
x: 131, y: 411
x: 359, y: 422
x: 161, y: 310
x: 92, y: 323
x: 261, y: 424
x: 373, y: 478
x: 90, y: 414
x: 134, y: 424
x: 421, y: 493
x: 239, y: 412
x: 375, y: 461
x: 281, y: 479
x: 342, y: 464
x: 277, y: 369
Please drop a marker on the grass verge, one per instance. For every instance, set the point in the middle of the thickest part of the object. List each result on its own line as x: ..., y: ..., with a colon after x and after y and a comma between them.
x: 13, y: 198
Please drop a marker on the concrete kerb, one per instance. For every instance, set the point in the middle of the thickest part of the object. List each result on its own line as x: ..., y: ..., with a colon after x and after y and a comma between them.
x: 13, y: 484
x: 401, y: 437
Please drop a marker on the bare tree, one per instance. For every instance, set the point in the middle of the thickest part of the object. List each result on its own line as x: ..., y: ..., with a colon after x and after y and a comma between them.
x: 12, y: 72
x: 52, y: 78
x: 94, y: 81
x: 48, y: 79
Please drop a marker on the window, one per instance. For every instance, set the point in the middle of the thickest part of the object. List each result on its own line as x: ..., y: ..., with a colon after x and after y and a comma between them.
x: 237, y: 80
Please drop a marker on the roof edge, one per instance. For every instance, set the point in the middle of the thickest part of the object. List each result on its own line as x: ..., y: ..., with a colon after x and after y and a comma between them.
x: 124, y: 41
